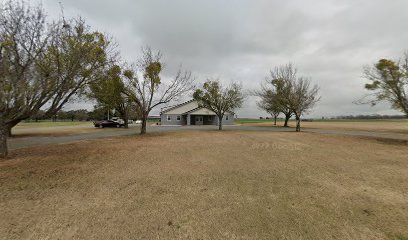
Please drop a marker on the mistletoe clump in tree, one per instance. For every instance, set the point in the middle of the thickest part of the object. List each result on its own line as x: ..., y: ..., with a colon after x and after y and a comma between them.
x: 388, y: 82
x: 150, y: 91
x: 43, y: 65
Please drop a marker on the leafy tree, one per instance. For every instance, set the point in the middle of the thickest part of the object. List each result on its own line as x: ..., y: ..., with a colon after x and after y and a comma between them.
x: 80, y: 115
x: 73, y: 60
x: 134, y: 113
x: 39, y: 115
x: 98, y: 113
x: 111, y: 91
x: 63, y: 115
x: 388, y: 82
x: 43, y: 66
x: 150, y: 91
x: 219, y: 99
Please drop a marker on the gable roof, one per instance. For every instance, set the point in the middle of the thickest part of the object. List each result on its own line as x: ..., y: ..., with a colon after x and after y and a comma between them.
x: 189, y: 107
x: 177, y: 106
x: 201, y: 111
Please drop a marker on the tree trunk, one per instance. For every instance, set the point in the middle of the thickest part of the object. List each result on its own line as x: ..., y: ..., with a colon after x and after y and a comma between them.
x: 126, y: 119
x: 126, y: 122
x: 3, y: 143
x: 9, y: 133
x: 297, y: 123
x: 287, y: 116
x: 9, y: 126
x: 144, y: 124
x: 124, y: 114
x: 220, y: 122
x: 274, y: 120
x: 3, y: 139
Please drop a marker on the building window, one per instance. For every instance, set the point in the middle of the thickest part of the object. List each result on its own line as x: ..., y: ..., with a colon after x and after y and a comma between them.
x: 178, y: 118
x: 209, y: 118
x: 168, y: 118
x: 226, y: 118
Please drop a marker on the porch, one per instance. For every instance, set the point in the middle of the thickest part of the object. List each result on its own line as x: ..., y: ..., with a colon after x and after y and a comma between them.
x: 191, y: 119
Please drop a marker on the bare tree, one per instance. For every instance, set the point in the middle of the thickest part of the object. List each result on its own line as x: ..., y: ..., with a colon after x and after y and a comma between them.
x: 388, y: 82
x: 303, y: 97
x: 42, y: 66
x: 23, y: 38
x: 150, y: 91
x: 285, y: 92
x: 269, y: 104
x: 274, y: 93
x: 280, y: 80
x: 219, y: 99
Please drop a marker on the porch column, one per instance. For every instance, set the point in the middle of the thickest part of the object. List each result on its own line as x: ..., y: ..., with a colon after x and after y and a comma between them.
x: 188, y: 120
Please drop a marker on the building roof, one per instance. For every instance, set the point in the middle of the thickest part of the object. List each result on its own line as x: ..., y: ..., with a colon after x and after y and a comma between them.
x: 180, y: 107
x: 201, y: 111
x: 189, y: 107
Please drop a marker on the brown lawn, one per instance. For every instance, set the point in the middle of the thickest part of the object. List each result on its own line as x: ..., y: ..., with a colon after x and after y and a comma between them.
x: 392, y: 126
x: 52, y: 129
x: 207, y: 185
x: 397, y: 126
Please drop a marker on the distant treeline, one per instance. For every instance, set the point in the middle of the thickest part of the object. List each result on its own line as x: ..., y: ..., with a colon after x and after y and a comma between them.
x: 72, y: 115
x: 375, y: 116
x: 76, y: 115
x: 354, y: 117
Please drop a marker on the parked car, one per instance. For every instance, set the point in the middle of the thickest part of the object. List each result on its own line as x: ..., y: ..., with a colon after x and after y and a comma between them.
x: 117, y: 119
x: 108, y: 123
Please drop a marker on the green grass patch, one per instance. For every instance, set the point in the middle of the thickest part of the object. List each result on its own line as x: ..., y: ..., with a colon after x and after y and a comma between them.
x: 51, y: 124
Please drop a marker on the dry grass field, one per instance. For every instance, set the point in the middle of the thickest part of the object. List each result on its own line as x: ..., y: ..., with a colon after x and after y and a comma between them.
x: 392, y: 126
x: 398, y: 126
x: 208, y: 185
x: 49, y: 129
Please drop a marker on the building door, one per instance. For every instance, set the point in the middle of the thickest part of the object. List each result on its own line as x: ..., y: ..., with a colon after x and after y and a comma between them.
x: 199, y: 120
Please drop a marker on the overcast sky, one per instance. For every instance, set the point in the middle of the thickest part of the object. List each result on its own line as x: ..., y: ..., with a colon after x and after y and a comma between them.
x: 328, y: 40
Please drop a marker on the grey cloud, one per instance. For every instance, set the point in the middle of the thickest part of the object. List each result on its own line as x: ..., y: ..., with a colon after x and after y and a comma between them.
x: 330, y: 41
